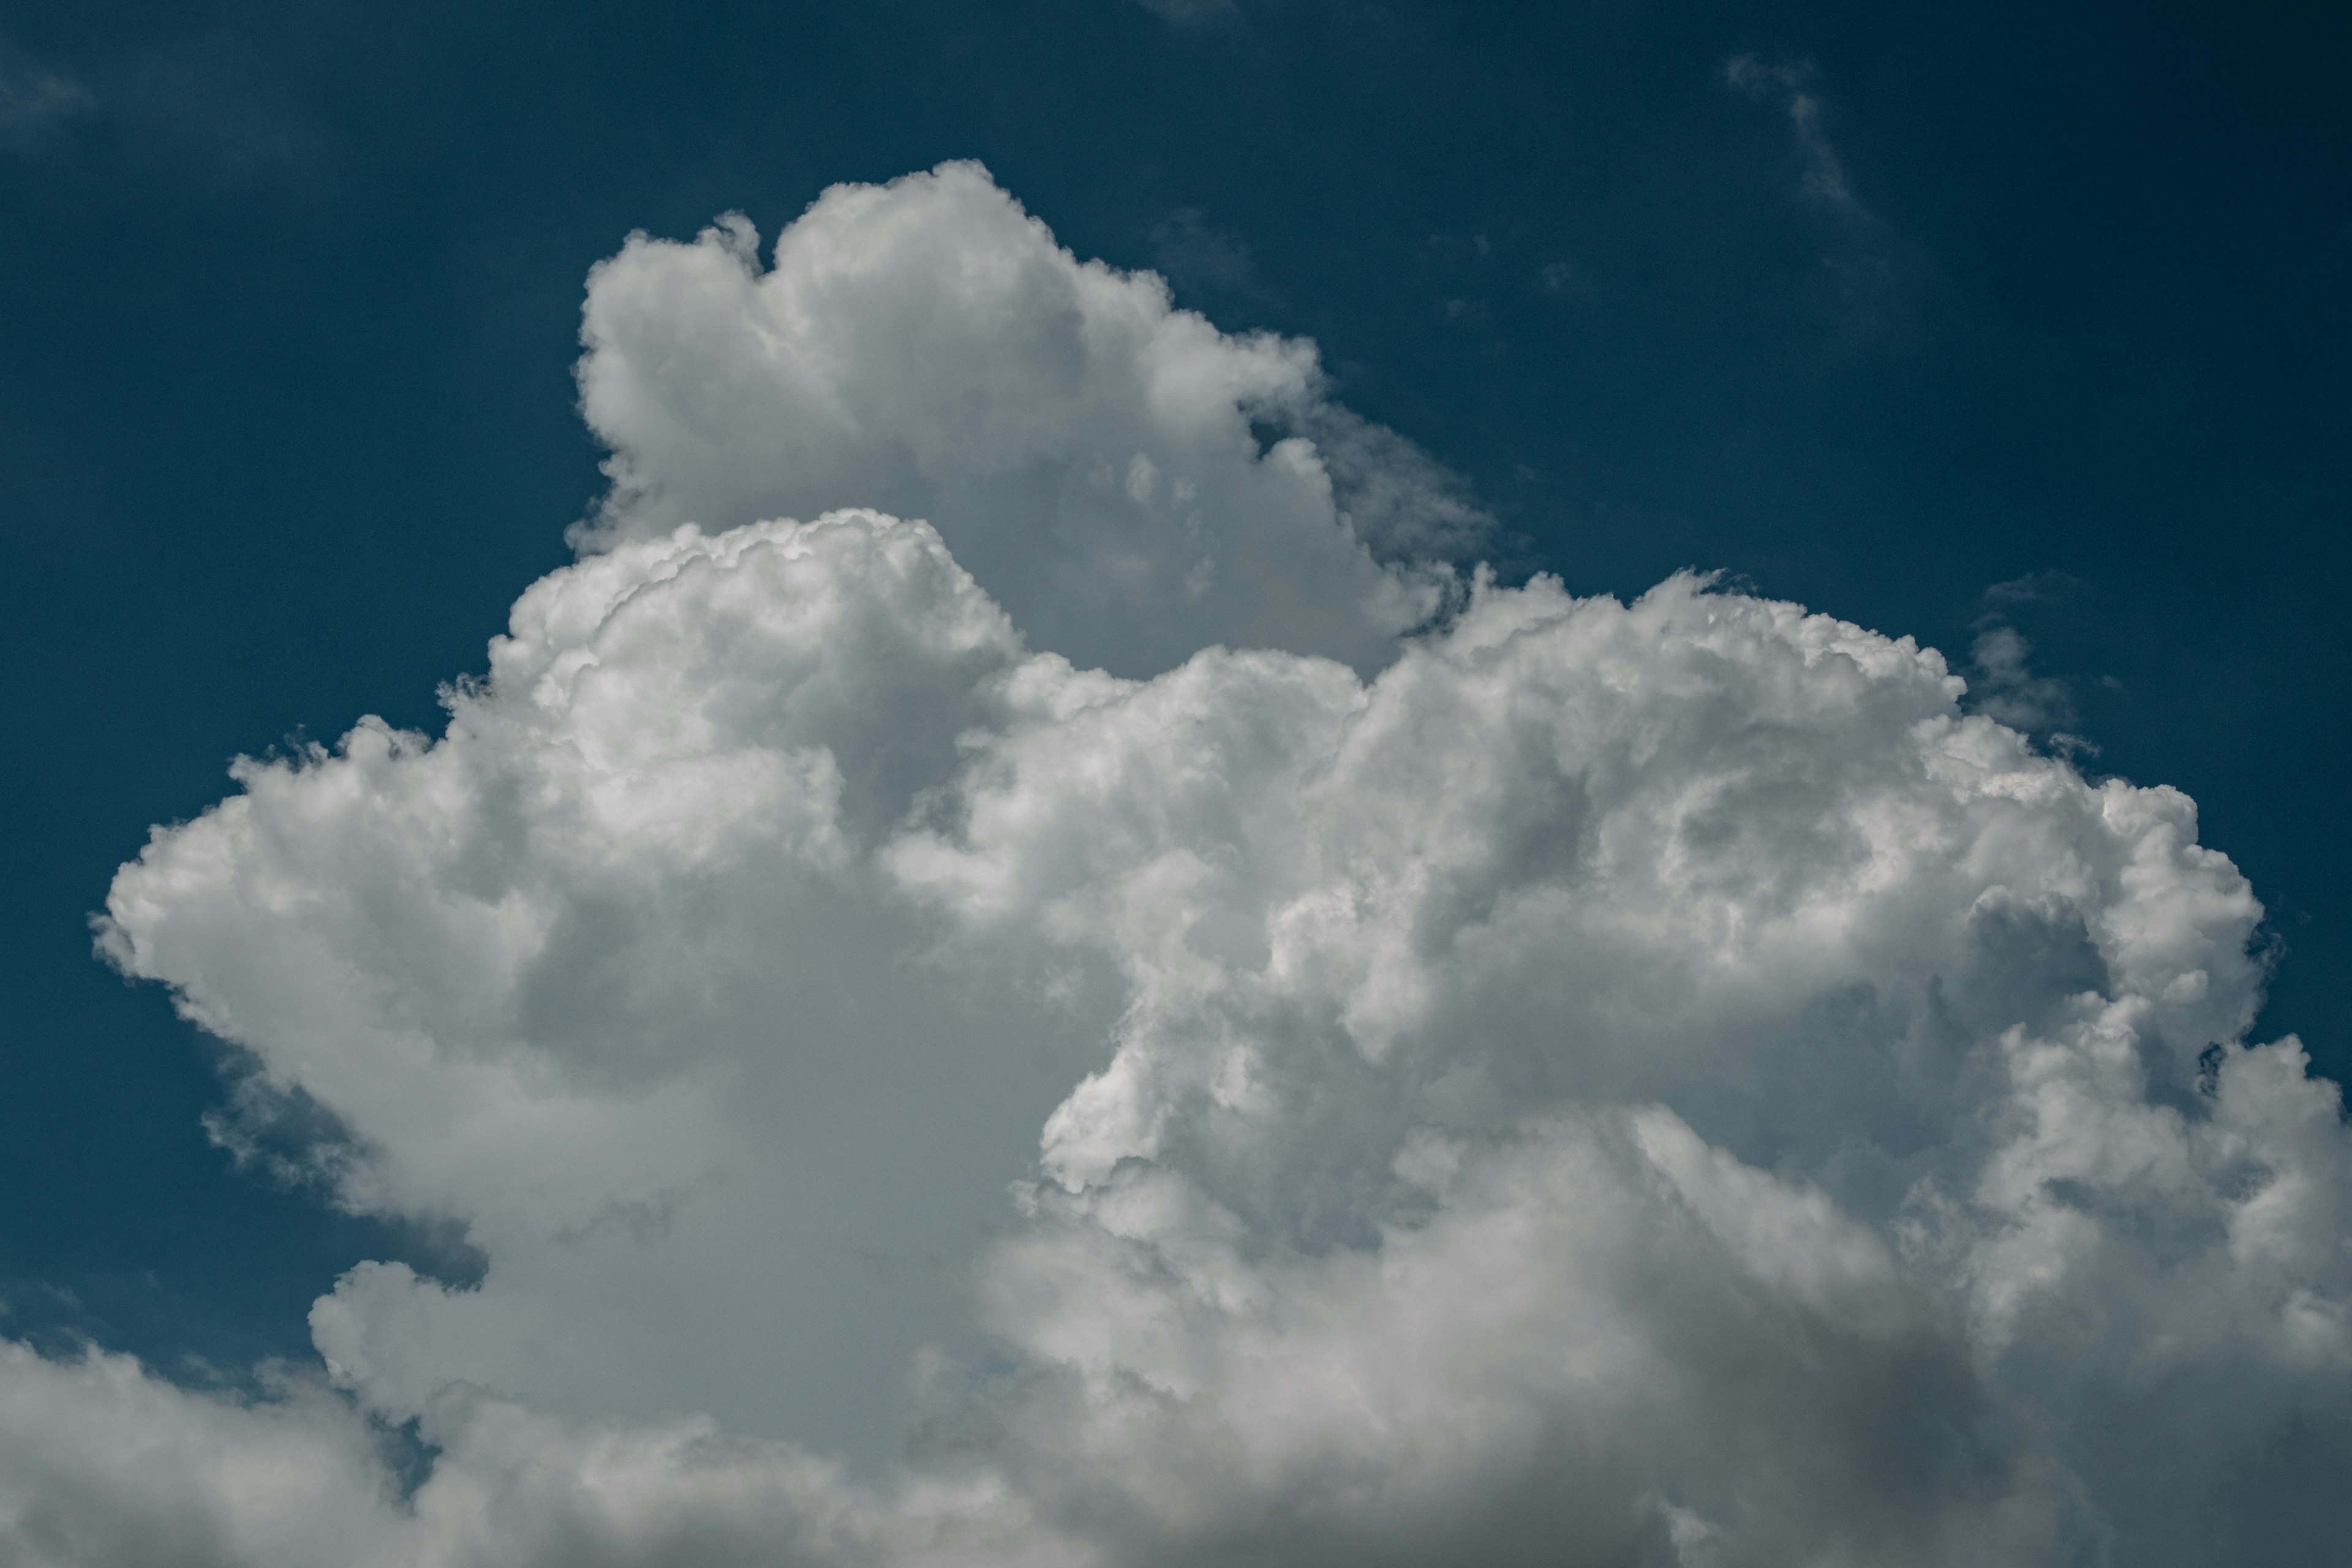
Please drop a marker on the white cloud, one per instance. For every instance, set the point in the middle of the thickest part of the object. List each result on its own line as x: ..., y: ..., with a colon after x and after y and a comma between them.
x: 107, y: 1465
x: 1650, y: 1083
x: 1088, y: 450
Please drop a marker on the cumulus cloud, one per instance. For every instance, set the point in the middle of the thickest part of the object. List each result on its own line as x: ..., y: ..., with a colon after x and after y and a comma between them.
x: 1127, y: 480
x: 1588, y: 1083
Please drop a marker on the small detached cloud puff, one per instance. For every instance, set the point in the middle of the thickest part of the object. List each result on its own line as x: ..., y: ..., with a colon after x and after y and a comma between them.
x: 1081, y: 1031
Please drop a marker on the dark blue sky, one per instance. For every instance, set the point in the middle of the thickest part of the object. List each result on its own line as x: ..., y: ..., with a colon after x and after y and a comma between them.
x: 1916, y: 303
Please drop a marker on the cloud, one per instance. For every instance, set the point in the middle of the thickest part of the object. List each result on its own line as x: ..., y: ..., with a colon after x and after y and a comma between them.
x: 2004, y: 686
x: 1650, y: 1082
x: 1791, y: 85
x: 1183, y: 13
x: 204, y: 103
x: 1879, y: 282
x: 34, y: 99
x: 1195, y: 255
x: 1129, y: 482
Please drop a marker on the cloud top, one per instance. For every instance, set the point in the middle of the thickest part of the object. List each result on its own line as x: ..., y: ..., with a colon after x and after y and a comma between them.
x: 1130, y: 483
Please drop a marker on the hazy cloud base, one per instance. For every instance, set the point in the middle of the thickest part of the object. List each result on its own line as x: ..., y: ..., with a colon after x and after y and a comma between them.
x: 1587, y: 1083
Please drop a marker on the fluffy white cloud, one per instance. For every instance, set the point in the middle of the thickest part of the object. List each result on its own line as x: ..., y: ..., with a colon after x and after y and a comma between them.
x: 1650, y: 1083
x: 1092, y: 455
x: 107, y: 1465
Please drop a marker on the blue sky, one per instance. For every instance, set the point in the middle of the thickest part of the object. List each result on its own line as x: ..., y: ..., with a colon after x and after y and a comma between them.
x: 2022, y: 331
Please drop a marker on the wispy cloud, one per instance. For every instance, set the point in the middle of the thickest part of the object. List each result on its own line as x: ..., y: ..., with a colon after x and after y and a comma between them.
x: 1196, y: 256
x: 1184, y: 12
x: 1792, y: 87
x: 34, y: 97
x: 1879, y: 278
x: 2002, y: 683
x: 208, y: 102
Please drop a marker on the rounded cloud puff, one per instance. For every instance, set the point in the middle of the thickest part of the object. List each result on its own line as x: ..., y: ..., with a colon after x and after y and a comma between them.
x: 1092, y: 454
x: 1589, y: 1083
